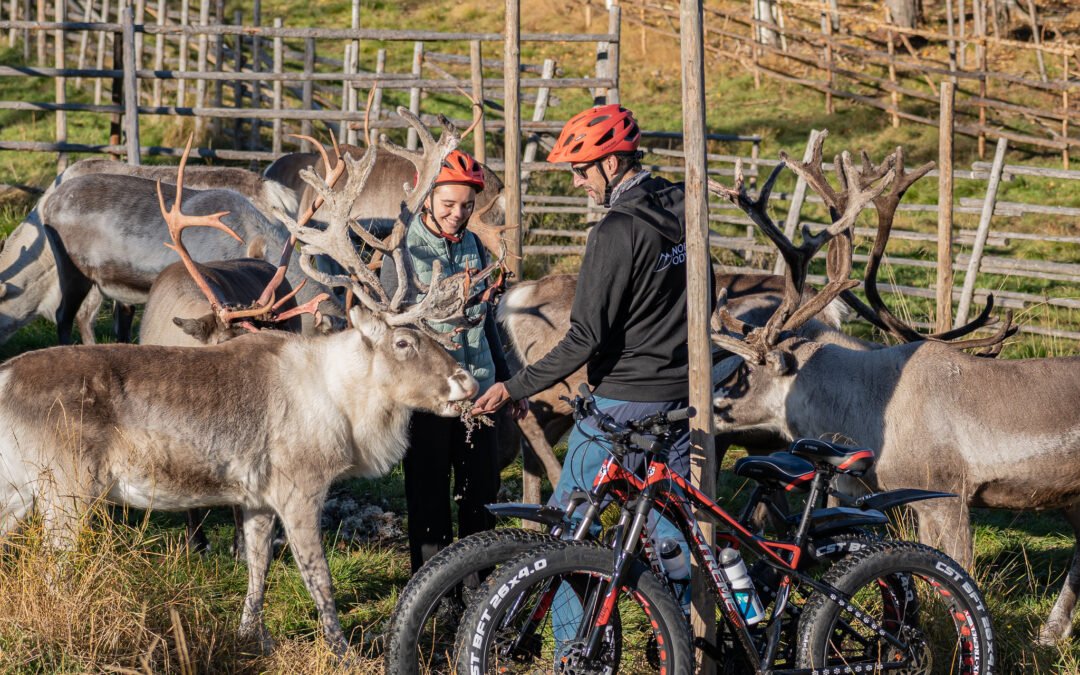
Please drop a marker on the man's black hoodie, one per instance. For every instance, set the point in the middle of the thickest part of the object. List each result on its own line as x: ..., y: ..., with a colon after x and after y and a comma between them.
x: 628, y: 321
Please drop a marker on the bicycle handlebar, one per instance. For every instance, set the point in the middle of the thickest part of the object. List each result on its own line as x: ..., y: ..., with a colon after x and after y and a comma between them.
x: 585, y: 407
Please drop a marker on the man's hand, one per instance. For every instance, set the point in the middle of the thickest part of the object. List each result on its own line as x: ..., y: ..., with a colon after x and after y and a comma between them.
x: 493, y: 399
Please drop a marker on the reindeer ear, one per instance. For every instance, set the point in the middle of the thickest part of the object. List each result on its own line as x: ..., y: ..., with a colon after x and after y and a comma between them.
x: 782, y: 362
x: 201, y: 329
x: 370, y: 324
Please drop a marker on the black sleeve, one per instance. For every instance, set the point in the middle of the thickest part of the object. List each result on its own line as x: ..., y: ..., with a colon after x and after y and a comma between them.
x: 602, y: 284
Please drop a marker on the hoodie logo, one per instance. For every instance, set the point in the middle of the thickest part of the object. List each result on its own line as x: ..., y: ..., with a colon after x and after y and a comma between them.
x: 676, y: 256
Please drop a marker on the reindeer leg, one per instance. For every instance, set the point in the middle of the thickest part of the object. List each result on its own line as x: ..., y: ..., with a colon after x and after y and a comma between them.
x: 86, y: 317
x: 258, y: 526
x: 74, y: 287
x: 123, y: 317
x: 1059, y: 624
x: 196, y: 538
x: 540, y: 447
x: 945, y: 524
x: 301, y: 520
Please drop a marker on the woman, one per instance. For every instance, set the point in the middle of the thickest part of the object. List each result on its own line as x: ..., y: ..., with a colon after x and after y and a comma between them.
x: 438, y: 445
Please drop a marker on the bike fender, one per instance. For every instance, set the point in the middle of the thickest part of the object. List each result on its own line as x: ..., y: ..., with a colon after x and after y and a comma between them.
x: 545, y: 515
x: 843, y: 518
x: 883, y: 501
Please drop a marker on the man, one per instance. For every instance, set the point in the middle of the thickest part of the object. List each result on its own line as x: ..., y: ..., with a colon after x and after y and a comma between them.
x: 628, y: 320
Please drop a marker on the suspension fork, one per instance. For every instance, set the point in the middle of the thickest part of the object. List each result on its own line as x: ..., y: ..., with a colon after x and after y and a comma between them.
x: 626, y: 543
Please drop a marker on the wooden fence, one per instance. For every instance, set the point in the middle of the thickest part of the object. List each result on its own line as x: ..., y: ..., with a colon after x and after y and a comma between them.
x: 982, y: 272
x: 855, y: 54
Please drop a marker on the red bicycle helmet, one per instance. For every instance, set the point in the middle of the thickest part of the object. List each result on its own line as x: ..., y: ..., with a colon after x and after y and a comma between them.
x: 596, y: 133
x: 460, y: 168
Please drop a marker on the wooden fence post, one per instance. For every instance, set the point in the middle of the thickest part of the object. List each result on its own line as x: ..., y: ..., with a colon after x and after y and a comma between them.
x: 512, y: 132
x: 1038, y: 40
x: 826, y: 31
x: 200, y: 85
x: 376, y: 101
x: 981, y: 233
x: 99, y: 60
x: 894, y: 95
x: 238, y: 85
x: 615, y: 28
x: 945, y: 208
x: 26, y: 32
x: 961, y: 15
x: 13, y: 14
x: 219, y: 66
x: 350, y: 134
x: 603, y: 49
x: 131, y: 89
x: 182, y: 62
x: 346, y: 86
x: 539, y: 111
x: 951, y: 41
x: 981, y: 60
x: 703, y: 460
x: 279, y: 62
x: 84, y: 37
x: 307, y: 89
x: 159, y: 52
x: 60, y: 14
x: 1065, y: 109
x: 140, y: 19
x: 791, y: 222
x: 40, y: 34
x: 116, y: 128
x: 254, y: 138
x: 476, y: 66
x: 415, y: 93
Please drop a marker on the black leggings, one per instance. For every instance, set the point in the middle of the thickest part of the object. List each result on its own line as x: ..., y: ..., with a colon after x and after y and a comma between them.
x: 437, y: 445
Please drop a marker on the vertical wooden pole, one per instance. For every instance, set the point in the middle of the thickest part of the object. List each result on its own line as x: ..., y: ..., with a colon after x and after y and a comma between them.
x: 279, y: 62
x: 603, y: 50
x: 307, y: 89
x: 238, y: 85
x: 798, y: 197
x: 539, y: 111
x: 376, y: 101
x: 26, y: 32
x: 219, y: 66
x: 952, y: 40
x: 140, y: 19
x: 644, y: 32
x: 945, y: 207
x: 41, y: 34
x: 131, y: 89
x: 1065, y: 109
x: 116, y: 123
x: 99, y: 58
x: 981, y: 233
x: 350, y: 134
x: 894, y: 96
x: 415, y: 94
x: 13, y: 14
x: 512, y: 115
x: 182, y: 60
x: 615, y: 28
x: 826, y: 31
x: 84, y: 37
x: 200, y: 85
x: 254, y: 139
x: 981, y: 64
x: 1038, y: 39
x: 60, y: 12
x: 159, y: 52
x: 698, y: 282
x: 961, y: 12
x: 476, y: 64
x: 346, y: 86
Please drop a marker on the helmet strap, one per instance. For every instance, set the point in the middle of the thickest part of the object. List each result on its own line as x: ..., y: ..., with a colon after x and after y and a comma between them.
x: 437, y: 230
x: 611, y: 183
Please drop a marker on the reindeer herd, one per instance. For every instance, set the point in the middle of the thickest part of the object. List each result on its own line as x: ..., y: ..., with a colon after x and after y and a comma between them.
x: 215, y: 407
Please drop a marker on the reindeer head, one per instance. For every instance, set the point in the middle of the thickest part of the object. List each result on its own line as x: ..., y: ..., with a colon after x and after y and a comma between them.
x: 753, y: 385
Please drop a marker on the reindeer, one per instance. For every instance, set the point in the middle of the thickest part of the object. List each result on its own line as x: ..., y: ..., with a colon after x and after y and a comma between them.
x: 998, y: 433
x: 265, y: 421
x: 29, y: 284
x: 103, y: 231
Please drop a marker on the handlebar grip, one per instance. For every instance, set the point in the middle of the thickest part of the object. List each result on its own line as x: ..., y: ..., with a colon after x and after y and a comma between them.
x: 647, y: 443
x: 585, y: 392
x: 682, y: 414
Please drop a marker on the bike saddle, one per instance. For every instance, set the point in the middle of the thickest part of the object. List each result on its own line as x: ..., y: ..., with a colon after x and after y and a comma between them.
x: 780, y: 469
x: 841, y: 458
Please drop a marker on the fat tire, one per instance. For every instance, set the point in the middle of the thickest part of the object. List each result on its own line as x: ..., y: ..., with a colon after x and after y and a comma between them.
x: 895, y: 558
x: 474, y: 638
x: 439, y: 576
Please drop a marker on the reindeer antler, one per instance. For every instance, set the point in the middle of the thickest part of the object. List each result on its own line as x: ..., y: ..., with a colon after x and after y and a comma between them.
x: 878, y: 313
x: 844, y: 206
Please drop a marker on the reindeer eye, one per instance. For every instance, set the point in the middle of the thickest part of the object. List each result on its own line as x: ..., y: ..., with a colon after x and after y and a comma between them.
x: 401, y: 344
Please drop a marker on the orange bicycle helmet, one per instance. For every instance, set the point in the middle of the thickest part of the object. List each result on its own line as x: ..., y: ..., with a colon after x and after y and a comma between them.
x: 595, y: 133
x: 460, y: 168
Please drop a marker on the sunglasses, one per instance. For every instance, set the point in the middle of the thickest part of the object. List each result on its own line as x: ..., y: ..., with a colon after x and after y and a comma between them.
x: 582, y: 169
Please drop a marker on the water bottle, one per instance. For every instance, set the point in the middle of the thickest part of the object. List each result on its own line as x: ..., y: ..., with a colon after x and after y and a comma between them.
x: 677, y: 568
x: 745, y: 596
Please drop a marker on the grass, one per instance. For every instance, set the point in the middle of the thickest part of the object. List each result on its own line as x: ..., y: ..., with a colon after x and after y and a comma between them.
x: 131, y: 598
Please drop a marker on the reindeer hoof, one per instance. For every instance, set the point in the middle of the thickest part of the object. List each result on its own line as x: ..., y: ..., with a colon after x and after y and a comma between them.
x: 258, y: 636
x: 1053, y: 632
